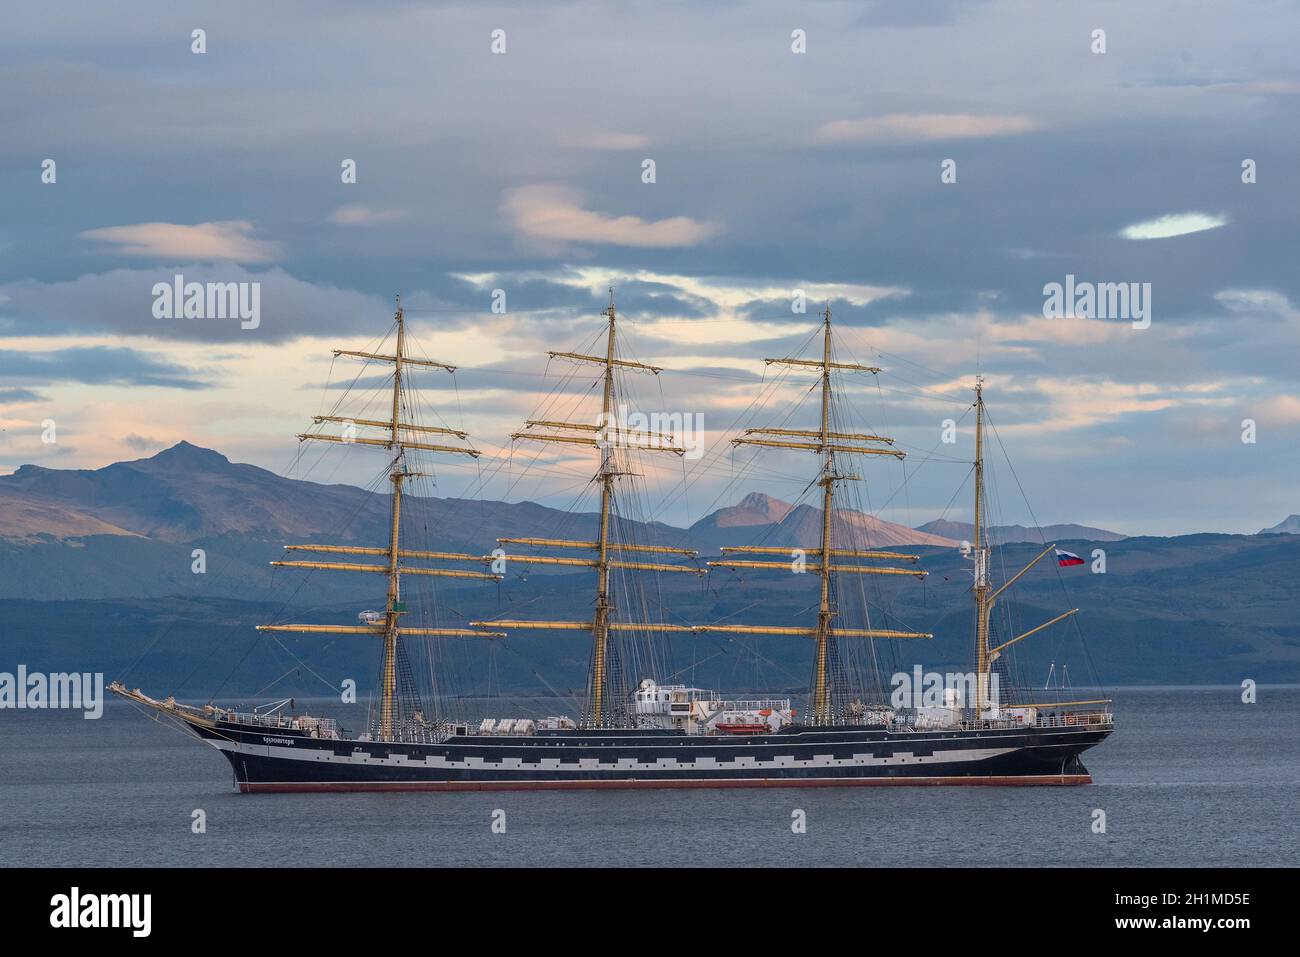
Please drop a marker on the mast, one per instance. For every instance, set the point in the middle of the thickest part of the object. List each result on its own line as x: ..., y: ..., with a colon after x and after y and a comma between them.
x: 821, y: 683
x: 607, y: 435
x: 983, y: 591
x: 600, y: 625
x: 394, y: 609
x: 397, y: 443
x: 826, y: 443
x: 981, y: 588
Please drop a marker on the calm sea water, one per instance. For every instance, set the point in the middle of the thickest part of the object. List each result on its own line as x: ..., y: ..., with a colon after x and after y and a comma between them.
x: 1192, y: 777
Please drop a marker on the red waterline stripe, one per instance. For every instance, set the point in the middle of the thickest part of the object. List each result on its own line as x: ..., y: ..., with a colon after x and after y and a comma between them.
x: 1028, y: 780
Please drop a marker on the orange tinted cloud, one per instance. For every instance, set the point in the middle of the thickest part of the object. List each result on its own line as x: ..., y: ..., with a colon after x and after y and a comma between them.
x: 555, y: 213
x: 224, y: 241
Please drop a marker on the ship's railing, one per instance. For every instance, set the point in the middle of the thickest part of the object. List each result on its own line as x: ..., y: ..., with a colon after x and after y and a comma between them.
x: 752, y: 704
x: 252, y: 717
x: 1063, y: 719
x: 428, y: 735
x: 323, y: 727
x: 1056, y: 719
x: 1074, y: 719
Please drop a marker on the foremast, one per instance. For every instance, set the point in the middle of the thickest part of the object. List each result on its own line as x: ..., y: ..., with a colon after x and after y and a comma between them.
x: 825, y: 443
x: 607, y: 436
x: 397, y: 442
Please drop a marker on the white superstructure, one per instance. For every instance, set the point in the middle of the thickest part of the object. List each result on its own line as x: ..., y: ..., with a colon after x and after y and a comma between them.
x: 700, y: 710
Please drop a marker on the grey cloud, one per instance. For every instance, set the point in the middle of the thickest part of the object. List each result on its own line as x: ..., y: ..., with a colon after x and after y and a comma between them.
x: 142, y: 443
x: 121, y: 301
x: 98, y: 365
x: 914, y: 13
x: 15, y: 396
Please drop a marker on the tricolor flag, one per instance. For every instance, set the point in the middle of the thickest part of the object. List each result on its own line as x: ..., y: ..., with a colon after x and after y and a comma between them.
x: 1067, y: 558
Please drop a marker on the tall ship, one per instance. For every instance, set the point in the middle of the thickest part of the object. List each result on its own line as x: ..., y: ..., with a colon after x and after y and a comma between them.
x: 637, y: 727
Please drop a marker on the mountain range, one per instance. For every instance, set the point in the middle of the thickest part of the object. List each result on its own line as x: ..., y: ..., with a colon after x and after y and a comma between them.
x: 1004, y: 534
x: 760, y: 517
x: 1288, y: 526
x: 128, y: 529
x: 187, y: 494
x: 95, y: 565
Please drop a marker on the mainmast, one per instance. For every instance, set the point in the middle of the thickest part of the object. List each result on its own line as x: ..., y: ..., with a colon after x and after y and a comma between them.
x: 826, y: 443
x: 821, y: 683
x: 600, y: 624
x: 607, y: 435
x: 396, y: 442
x: 397, y: 473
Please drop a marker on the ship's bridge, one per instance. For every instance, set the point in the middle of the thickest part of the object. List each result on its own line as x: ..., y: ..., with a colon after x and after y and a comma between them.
x: 702, y: 710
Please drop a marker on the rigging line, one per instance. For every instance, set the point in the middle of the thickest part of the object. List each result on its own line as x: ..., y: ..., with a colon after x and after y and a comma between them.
x: 696, y: 373
x: 928, y: 458
x: 760, y: 400
x: 764, y: 393
x: 265, y: 688
x: 672, y: 498
x: 934, y: 372
x: 541, y: 410
x: 715, y: 468
x: 1087, y: 653
x: 173, y: 723
x: 720, y: 653
x: 958, y: 492
x: 329, y: 379
x: 347, y: 391
x: 917, y: 390
x: 573, y: 699
x: 230, y: 560
x: 303, y: 664
x: 285, y: 604
x: 696, y: 473
x: 747, y: 649
x: 997, y: 435
x: 622, y: 392
x: 900, y: 358
x: 867, y: 674
x: 411, y: 384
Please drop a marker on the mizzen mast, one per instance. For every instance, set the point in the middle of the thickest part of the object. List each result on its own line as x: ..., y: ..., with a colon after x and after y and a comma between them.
x: 392, y: 567
x: 983, y: 591
x: 607, y: 436
x: 981, y: 588
x: 826, y: 443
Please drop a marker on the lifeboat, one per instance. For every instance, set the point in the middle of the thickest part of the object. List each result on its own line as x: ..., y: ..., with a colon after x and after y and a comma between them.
x: 744, y: 724
x: 745, y: 727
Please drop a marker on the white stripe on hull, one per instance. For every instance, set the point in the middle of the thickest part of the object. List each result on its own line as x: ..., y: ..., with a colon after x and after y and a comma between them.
x: 665, y: 765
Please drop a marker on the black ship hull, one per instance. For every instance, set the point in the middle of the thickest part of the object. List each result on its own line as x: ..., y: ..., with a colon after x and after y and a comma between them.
x: 266, y: 760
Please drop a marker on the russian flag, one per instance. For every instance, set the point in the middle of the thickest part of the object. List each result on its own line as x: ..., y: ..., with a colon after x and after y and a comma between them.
x: 1064, y: 559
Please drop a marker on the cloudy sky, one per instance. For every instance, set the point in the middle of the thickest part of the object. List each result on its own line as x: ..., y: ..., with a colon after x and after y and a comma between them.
x: 774, y: 171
